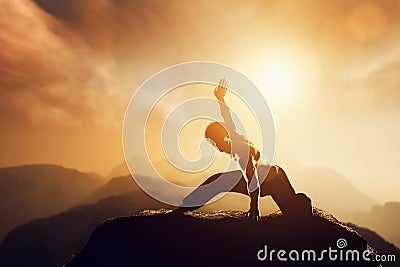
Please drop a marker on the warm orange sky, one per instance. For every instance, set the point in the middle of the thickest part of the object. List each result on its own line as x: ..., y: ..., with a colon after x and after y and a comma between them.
x: 329, y: 70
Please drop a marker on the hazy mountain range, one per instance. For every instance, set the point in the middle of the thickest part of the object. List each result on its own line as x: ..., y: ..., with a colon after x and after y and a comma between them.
x: 327, y: 188
x: 332, y: 191
x: 63, y: 234
x: 384, y: 219
x: 33, y: 191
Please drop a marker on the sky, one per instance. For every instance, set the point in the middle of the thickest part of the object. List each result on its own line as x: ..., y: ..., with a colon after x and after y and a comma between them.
x: 328, y: 69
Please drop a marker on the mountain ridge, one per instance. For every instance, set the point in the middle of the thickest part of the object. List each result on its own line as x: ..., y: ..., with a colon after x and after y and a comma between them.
x: 40, y: 190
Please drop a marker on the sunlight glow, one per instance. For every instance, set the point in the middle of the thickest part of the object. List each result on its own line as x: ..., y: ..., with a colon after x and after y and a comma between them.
x: 285, y: 73
x: 282, y: 76
x: 280, y: 79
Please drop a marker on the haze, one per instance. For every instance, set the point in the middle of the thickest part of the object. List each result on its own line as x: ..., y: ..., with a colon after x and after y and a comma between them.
x: 328, y: 69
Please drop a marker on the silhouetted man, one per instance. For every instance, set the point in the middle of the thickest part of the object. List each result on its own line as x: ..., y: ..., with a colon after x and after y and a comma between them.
x: 226, y: 139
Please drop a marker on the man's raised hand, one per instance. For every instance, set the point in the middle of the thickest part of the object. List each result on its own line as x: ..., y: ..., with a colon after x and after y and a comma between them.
x: 220, y: 90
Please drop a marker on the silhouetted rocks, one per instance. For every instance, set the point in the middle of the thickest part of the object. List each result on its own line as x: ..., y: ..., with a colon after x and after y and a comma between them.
x: 34, y: 191
x: 384, y: 219
x: 160, y: 238
x: 49, y: 242
x: 378, y: 243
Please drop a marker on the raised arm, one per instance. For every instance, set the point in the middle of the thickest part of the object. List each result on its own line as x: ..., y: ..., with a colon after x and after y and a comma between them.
x: 220, y: 92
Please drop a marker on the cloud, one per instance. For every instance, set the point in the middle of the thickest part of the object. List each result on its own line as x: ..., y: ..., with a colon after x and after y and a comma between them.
x: 38, y: 66
x: 79, y: 61
x: 74, y: 64
x: 381, y: 86
x: 78, y: 57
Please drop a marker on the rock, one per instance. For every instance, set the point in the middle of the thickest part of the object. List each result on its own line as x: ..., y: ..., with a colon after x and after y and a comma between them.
x: 222, y: 238
x: 48, y: 242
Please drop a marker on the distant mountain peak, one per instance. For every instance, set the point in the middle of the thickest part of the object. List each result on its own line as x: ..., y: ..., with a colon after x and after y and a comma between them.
x: 38, y: 190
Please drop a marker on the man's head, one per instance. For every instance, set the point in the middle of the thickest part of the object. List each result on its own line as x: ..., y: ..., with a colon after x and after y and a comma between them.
x: 218, y: 136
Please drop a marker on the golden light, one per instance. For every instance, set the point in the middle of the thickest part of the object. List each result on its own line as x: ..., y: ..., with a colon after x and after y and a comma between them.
x: 284, y: 74
x: 280, y: 78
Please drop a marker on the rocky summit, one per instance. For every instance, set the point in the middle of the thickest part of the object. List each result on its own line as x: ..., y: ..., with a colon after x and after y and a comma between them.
x: 223, y: 238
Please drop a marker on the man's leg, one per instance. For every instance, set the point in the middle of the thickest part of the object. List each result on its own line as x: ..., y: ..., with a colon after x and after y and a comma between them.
x: 223, y: 183
x: 274, y: 183
x: 254, y: 211
x: 277, y: 185
x: 254, y: 192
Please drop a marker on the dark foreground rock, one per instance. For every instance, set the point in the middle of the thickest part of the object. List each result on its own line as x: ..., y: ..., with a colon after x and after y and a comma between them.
x: 158, y: 238
x: 49, y: 242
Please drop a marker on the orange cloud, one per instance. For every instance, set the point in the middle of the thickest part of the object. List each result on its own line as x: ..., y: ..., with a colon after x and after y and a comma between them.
x: 69, y: 67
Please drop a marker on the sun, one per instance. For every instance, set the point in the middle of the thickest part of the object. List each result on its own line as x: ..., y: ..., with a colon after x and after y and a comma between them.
x: 280, y: 79
x: 281, y: 75
x: 284, y: 74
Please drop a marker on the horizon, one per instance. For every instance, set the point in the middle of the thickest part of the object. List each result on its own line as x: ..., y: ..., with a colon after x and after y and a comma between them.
x: 328, y: 70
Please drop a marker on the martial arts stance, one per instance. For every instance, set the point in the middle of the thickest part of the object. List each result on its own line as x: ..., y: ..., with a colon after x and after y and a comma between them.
x: 225, y: 138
